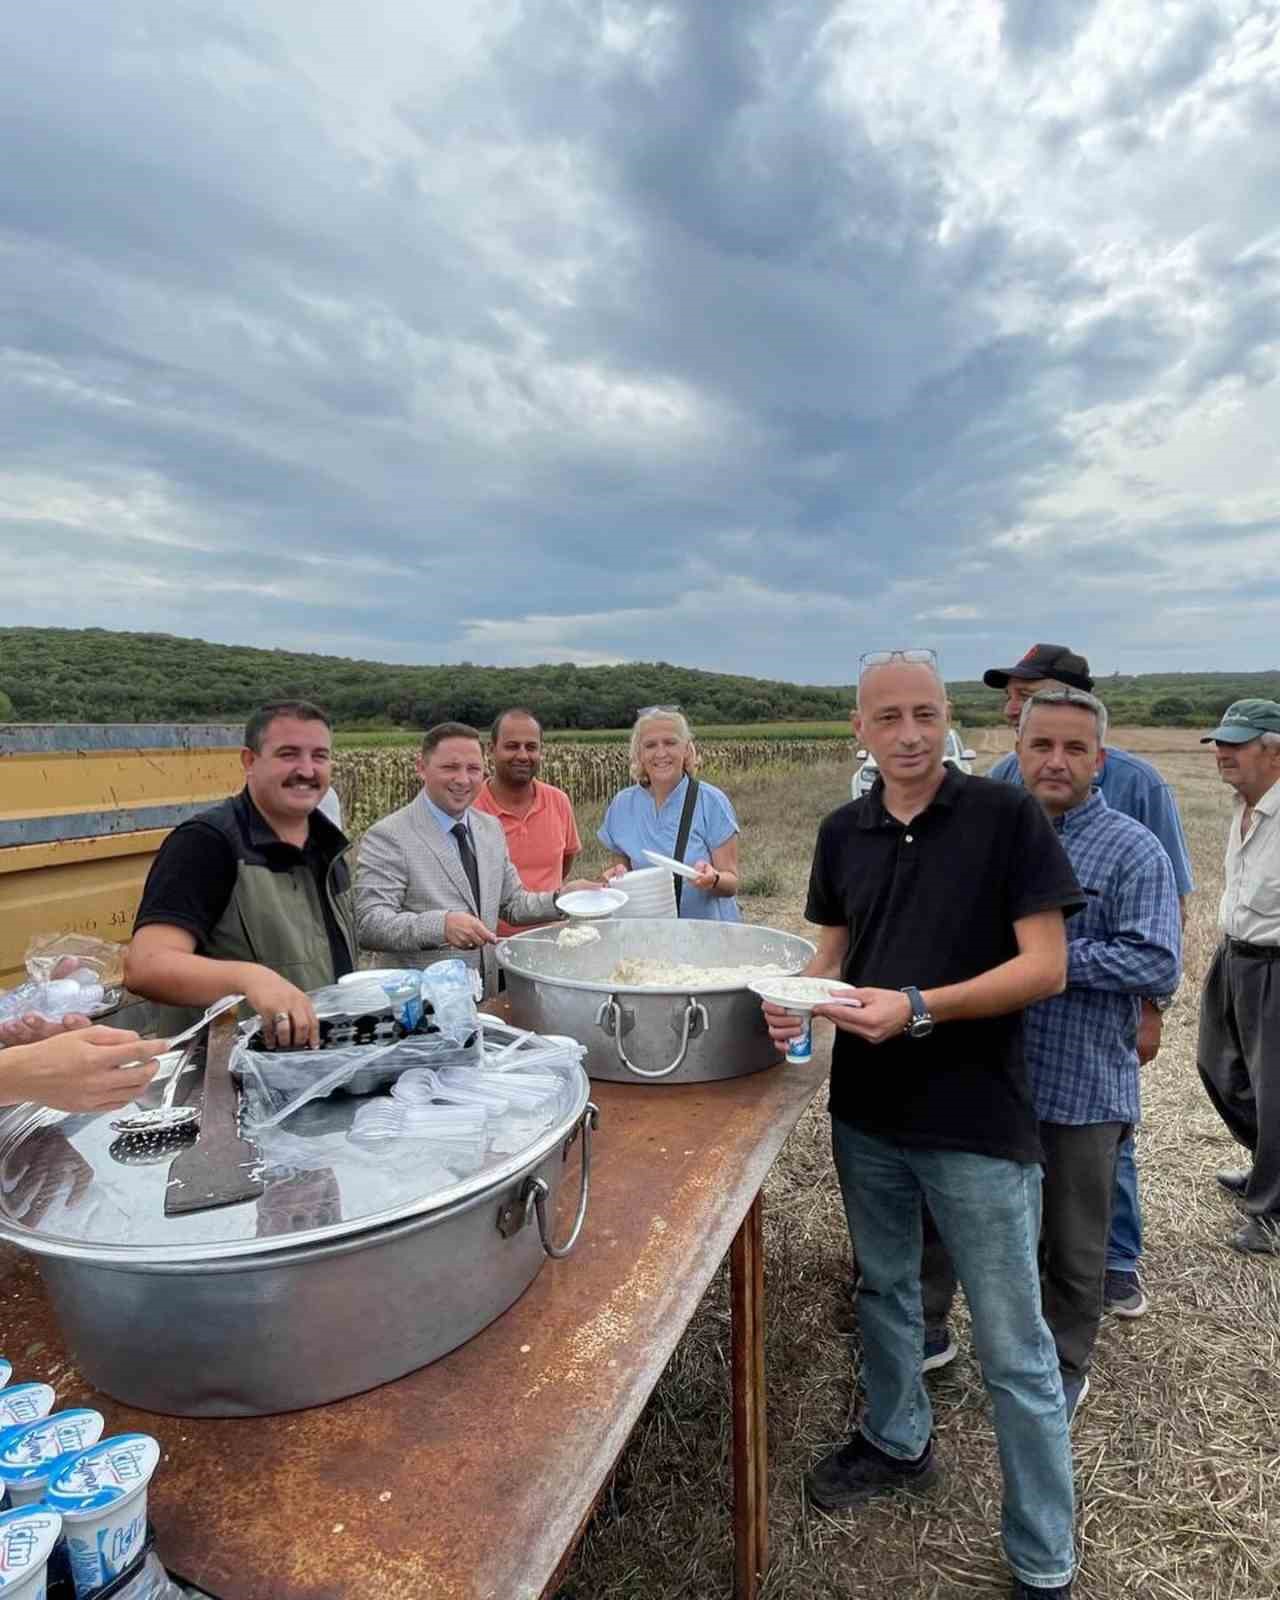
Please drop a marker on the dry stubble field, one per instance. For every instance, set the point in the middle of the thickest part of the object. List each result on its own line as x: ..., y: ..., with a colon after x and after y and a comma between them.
x: 1177, y: 1445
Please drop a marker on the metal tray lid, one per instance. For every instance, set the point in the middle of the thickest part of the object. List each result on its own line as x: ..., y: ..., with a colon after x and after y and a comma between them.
x: 65, y: 1192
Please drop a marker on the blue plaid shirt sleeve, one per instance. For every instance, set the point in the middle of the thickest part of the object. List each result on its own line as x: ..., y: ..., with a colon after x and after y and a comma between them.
x: 1140, y: 951
x: 1081, y: 1045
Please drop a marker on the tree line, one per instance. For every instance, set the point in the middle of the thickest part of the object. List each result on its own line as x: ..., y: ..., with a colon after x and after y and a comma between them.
x: 97, y: 675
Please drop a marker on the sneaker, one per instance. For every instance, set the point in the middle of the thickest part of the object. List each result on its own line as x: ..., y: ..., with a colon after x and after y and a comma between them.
x: 1026, y: 1591
x: 1235, y: 1180
x: 1122, y: 1294
x: 939, y: 1348
x: 857, y: 1472
x: 1073, y: 1392
x: 1256, y: 1238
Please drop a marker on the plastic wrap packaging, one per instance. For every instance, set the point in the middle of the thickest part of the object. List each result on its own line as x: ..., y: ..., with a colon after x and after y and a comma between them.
x: 447, y: 988
x: 459, y: 1097
x: 58, y: 955
x: 150, y: 1582
x: 67, y: 974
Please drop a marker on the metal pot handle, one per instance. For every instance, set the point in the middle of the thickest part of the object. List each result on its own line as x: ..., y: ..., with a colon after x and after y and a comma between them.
x: 609, y: 1017
x: 535, y: 1195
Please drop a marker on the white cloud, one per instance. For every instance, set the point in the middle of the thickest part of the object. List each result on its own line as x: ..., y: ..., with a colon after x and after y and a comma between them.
x: 630, y: 331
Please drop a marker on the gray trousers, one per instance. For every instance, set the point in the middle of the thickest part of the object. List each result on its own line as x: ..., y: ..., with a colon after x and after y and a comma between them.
x: 1079, y: 1178
x: 1239, y: 1060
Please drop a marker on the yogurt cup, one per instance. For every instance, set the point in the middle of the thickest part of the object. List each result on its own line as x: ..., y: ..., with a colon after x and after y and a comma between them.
x: 25, y: 1402
x: 800, y: 1049
x: 6, y: 1371
x: 32, y: 1456
x: 27, y: 1538
x: 101, y: 1494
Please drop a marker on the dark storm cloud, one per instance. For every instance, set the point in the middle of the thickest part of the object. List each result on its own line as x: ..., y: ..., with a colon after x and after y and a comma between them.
x: 632, y: 333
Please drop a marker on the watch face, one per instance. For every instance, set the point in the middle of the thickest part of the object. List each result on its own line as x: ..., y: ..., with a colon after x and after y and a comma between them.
x: 921, y: 1027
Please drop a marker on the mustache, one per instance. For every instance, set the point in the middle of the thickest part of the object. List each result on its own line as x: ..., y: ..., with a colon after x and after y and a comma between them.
x: 301, y: 783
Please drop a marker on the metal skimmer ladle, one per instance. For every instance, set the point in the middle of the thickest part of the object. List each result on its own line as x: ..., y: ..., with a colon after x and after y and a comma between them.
x: 166, y: 1118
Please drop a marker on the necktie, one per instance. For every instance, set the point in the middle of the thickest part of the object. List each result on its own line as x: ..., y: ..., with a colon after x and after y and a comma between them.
x: 459, y: 831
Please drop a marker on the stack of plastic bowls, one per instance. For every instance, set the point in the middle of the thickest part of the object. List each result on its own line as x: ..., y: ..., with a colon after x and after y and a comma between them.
x: 650, y: 892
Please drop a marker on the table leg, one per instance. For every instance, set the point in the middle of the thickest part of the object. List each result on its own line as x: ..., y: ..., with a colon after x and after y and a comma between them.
x: 750, y: 1443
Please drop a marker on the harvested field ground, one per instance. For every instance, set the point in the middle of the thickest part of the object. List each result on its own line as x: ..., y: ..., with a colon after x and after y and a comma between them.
x: 1177, y: 1445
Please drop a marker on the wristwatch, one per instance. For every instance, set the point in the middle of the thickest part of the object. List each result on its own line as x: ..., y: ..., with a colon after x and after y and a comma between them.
x: 921, y: 1024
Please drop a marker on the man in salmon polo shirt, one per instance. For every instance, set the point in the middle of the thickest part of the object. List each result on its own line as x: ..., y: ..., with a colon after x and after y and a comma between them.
x: 537, y: 818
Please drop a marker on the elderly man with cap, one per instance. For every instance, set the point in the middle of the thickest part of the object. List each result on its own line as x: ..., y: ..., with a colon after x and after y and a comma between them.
x: 1239, y: 1048
x: 1133, y: 786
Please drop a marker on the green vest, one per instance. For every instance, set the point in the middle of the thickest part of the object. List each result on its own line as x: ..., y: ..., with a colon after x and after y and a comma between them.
x: 277, y: 920
x: 274, y: 918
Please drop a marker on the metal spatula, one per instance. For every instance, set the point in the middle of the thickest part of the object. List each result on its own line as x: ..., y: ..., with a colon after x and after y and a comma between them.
x: 218, y: 1168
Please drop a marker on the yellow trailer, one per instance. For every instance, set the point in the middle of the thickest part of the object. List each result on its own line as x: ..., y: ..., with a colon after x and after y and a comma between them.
x: 83, y: 809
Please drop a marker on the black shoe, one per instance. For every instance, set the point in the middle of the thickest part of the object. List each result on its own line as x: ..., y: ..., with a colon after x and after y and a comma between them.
x: 1073, y: 1392
x: 1122, y: 1294
x: 939, y: 1348
x: 857, y: 1472
x: 1024, y: 1591
x: 1256, y: 1238
x: 1235, y: 1180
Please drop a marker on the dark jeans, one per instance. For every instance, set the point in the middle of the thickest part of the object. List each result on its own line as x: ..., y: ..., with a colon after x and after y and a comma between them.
x: 1239, y: 1060
x: 1079, y: 1179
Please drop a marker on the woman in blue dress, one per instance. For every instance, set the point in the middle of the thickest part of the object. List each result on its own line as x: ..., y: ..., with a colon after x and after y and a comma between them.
x: 646, y: 816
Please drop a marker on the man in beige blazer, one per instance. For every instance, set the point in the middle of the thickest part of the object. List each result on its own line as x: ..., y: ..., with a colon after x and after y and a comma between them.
x: 434, y: 877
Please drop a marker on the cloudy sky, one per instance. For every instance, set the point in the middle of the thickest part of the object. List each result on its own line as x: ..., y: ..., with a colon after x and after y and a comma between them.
x: 746, y: 335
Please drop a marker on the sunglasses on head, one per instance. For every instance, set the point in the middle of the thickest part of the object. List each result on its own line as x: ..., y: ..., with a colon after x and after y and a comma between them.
x: 882, y: 658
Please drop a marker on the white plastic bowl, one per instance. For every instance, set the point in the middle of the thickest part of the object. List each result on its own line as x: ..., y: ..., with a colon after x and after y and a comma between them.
x: 591, y: 904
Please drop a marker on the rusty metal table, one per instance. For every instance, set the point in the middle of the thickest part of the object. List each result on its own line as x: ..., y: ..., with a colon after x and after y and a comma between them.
x: 423, y: 1489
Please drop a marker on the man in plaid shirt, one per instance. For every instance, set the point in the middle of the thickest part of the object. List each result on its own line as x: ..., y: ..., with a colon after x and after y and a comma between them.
x: 1081, y: 1045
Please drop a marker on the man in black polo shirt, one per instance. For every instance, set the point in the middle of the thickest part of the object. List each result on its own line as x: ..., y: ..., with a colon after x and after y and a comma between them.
x: 940, y: 899
x: 254, y: 896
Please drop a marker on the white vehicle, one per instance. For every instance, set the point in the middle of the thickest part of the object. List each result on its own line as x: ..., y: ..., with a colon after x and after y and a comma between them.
x: 954, y: 754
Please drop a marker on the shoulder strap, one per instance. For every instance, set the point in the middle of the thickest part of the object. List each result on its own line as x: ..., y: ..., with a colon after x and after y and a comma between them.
x: 682, y: 836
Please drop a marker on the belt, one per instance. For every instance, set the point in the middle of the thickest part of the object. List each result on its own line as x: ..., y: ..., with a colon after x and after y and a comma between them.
x: 1260, y: 952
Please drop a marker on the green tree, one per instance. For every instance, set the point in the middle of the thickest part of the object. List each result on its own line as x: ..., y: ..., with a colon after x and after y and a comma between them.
x: 1172, y: 710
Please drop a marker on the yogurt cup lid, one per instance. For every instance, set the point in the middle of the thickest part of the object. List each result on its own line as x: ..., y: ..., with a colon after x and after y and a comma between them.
x: 25, y: 1402
x: 27, y: 1537
x: 109, y: 1471
x: 29, y: 1452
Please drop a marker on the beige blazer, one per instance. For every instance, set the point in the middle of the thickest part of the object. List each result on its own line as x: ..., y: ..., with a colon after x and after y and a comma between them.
x: 409, y: 876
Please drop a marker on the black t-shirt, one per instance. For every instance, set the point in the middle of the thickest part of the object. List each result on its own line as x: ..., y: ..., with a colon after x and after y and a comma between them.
x: 194, y: 873
x: 930, y: 903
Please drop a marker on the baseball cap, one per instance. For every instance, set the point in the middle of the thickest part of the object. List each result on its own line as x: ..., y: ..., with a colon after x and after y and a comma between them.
x: 1054, y: 661
x: 1245, y: 720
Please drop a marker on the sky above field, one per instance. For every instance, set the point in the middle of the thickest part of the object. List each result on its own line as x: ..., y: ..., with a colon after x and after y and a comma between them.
x: 746, y: 335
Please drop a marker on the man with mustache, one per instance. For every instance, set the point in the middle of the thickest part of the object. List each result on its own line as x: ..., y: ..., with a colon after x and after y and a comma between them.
x: 1239, y: 1047
x: 254, y: 896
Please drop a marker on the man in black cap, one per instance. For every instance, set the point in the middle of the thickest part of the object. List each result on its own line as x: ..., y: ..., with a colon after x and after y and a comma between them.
x: 1239, y: 1048
x: 1133, y: 786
